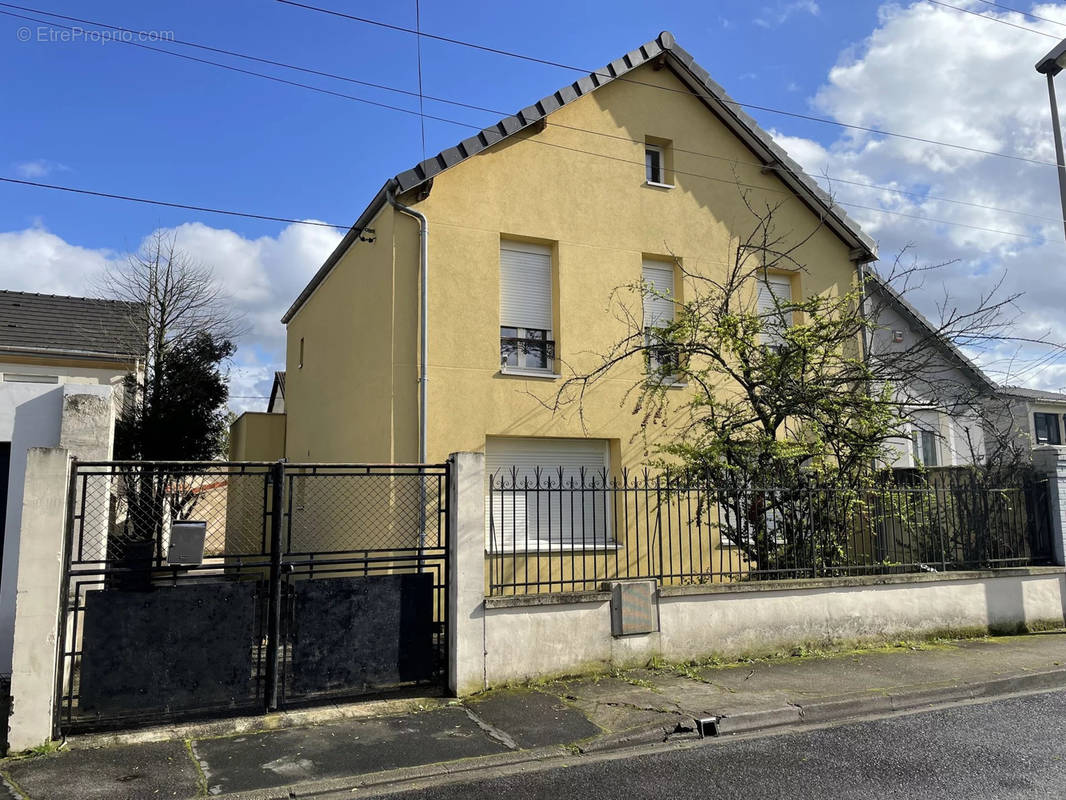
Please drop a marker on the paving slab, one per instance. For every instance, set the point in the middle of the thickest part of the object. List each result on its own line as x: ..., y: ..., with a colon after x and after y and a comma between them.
x: 534, y: 719
x: 616, y: 705
x: 132, y: 772
x: 355, y: 747
x: 883, y: 672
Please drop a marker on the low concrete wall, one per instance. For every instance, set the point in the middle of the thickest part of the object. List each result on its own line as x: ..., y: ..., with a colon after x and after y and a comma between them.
x: 539, y: 635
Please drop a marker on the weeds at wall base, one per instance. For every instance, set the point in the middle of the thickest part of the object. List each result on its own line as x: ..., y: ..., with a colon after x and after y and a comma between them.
x: 941, y: 638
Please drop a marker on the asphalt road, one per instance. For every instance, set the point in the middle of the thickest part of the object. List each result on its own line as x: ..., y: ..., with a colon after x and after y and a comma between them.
x: 1014, y: 748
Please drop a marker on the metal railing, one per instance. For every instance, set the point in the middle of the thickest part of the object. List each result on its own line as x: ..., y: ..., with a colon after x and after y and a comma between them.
x: 553, y: 531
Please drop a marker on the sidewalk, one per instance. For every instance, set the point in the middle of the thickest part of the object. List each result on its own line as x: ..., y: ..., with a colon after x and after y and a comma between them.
x: 564, y: 718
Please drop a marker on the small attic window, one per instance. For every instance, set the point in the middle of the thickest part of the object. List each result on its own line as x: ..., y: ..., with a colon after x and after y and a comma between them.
x: 654, y: 164
x: 658, y: 166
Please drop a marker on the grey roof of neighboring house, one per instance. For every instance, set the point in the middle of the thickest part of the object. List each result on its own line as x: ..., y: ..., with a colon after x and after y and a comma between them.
x: 56, y: 325
x: 692, y: 74
x: 910, y: 312
x: 277, y: 390
x: 1033, y: 394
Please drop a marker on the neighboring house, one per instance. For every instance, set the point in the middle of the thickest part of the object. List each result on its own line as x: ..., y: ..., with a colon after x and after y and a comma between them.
x: 958, y: 414
x: 276, y: 405
x: 526, y: 229
x: 1038, y: 417
x: 259, y: 436
x: 63, y: 361
x: 948, y: 398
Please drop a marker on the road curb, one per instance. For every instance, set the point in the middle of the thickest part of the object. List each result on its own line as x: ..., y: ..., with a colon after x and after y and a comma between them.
x: 832, y: 710
x: 662, y: 734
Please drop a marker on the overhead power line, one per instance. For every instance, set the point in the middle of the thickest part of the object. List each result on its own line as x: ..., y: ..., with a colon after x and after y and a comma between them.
x: 973, y: 13
x: 168, y: 204
x: 1024, y: 13
x: 242, y: 71
x: 535, y: 141
x: 497, y: 112
x: 603, y: 74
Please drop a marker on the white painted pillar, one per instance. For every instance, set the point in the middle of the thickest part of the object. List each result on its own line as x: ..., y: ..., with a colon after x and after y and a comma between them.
x: 40, y: 576
x: 1050, y: 459
x: 466, y: 574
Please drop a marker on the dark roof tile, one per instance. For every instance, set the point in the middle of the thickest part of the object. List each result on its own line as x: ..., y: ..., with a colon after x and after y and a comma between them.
x: 693, y: 75
x: 60, y: 325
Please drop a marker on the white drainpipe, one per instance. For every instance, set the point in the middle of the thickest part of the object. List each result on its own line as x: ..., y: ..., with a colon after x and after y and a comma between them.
x: 423, y: 234
x: 423, y: 260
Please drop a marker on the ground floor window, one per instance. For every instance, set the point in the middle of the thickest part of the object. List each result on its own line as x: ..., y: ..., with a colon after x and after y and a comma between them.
x: 547, y: 494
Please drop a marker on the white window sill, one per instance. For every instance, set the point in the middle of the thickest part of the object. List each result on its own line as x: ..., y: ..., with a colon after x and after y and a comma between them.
x: 548, y: 548
x: 659, y: 185
x: 529, y: 373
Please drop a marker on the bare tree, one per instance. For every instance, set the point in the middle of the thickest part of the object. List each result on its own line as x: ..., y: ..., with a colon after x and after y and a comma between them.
x: 790, y: 388
x: 175, y: 409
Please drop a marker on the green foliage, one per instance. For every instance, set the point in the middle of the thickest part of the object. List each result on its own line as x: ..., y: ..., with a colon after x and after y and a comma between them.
x: 179, y: 414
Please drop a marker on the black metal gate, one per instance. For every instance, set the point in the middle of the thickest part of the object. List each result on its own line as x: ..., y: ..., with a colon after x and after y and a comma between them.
x: 311, y: 582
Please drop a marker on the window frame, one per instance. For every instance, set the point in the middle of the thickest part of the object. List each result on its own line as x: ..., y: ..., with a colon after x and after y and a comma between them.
x: 522, y: 331
x: 650, y: 177
x: 521, y: 355
x: 653, y: 364
x: 924, y: 441
x: 1046, y: 415
x: 498, y: 543
x: 774, y: 339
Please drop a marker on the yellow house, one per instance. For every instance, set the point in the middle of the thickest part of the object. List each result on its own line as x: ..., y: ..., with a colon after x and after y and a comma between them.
x: 452, y: 311
x: 523, y: 232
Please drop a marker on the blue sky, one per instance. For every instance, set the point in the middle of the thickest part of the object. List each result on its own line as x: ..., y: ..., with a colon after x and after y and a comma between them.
x: 117, y: 118
x: 128, y: 120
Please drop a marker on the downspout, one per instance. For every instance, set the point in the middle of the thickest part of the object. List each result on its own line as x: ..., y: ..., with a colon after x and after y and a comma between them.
x: 423, y: 306
x: 423, y: 266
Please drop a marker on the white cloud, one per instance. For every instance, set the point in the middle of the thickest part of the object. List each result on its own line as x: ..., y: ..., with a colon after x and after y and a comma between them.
x: 776, y: 15
x: 939, y: 74
x: 261, y: 277
x: 38, y: 168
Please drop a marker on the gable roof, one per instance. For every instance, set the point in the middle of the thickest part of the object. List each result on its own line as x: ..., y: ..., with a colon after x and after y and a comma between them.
x: 57, y: 325
x: 696, y: 78
x: 910, y: 313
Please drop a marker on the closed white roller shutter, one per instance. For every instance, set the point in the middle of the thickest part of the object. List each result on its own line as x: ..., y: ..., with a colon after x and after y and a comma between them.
x: 659, y: 311
x: 527, y: 515
x: 778, y: 292
x: 525, y: 286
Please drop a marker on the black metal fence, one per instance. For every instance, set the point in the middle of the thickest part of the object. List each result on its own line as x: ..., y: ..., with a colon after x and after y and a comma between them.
x: 550, y: 532
x: 313, y: 582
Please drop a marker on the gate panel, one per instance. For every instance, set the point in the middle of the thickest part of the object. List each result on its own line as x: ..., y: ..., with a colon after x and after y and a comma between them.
x: 182, y: 647
x: 355, y: 634
x: 147, y: 641
x: 364, y: 562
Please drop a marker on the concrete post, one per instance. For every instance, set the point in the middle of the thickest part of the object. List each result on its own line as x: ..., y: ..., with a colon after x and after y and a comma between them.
x: 1050, y: 459
x: 466, y: 574
x: 40, y: 576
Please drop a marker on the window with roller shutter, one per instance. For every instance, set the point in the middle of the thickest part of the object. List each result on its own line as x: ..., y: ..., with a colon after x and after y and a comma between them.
x: 774, y: 291
x: 526, y: 340
x: 658, y: 313
x: 547, y: 494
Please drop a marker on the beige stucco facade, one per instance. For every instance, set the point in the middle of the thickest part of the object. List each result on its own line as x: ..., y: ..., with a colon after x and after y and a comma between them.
x: 576, y: 184
x: 257, y: 436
